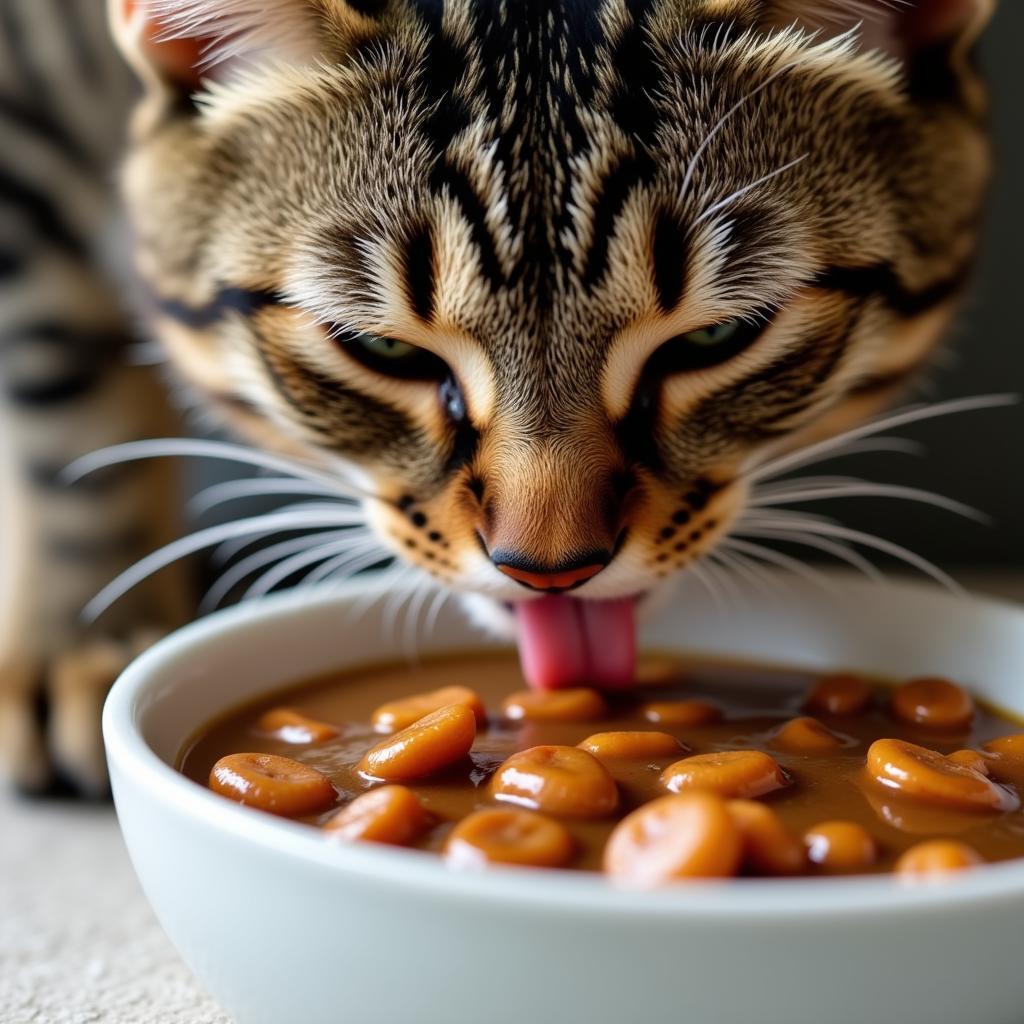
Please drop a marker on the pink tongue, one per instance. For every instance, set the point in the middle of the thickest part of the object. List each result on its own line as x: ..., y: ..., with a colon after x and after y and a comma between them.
x: 567, y: 642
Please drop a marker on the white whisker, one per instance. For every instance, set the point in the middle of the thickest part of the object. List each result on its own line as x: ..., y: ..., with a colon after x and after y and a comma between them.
x: 691, y: 167
x: 869, y: 540
x: 434, y: 610
x: 343, y: 567
x: 188, y: 447
x: 277, y: 574
x: 231, y: 577
x: 176, y: 550
x: 866, y: 489
x: 739, y: 193
x: 841, y: 551
x: 913, y: 414
x: 700, y: 574
x: 252, y: 487
x: 793, y: 565
x: 723, y: 577
x: 749, y: 570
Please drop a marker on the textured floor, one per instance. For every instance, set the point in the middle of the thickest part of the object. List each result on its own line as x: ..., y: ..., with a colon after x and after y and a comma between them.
x: 78, y: 943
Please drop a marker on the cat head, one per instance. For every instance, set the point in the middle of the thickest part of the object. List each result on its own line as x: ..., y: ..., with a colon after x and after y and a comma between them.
x: 548, y: 278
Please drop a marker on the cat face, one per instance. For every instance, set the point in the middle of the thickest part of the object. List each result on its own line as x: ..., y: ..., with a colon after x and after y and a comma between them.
x: 547, y: 280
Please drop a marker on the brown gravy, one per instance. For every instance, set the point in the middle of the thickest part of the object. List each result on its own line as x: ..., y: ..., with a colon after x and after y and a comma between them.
x: 755, y: 702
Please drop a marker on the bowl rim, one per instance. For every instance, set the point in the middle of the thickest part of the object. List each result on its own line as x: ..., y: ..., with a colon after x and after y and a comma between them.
x: 582, y: 892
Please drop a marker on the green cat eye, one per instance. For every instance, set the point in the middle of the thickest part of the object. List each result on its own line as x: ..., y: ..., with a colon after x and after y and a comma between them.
x: 391, y: 357
x: 386, y: 348
x: 705, y: 347
x: 716, y: 334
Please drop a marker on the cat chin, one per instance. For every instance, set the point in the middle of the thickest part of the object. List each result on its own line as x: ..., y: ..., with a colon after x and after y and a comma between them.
x: 497, y: 619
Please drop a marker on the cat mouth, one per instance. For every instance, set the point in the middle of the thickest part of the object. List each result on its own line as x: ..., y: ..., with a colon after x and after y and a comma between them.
x: 566, y: 641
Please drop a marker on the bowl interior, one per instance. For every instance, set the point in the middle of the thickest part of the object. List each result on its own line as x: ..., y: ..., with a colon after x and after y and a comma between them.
x: 898, y: 631
x: 230, y: 658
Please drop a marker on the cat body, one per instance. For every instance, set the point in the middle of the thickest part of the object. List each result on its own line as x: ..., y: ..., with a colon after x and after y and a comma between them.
x: 538, y: 284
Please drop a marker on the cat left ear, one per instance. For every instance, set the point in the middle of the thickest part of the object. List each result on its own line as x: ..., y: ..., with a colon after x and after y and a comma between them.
x: 178, y: 42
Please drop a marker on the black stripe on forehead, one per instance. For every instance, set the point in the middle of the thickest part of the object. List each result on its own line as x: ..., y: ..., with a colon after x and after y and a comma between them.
x: 668, y: 258
x: 420, y: 273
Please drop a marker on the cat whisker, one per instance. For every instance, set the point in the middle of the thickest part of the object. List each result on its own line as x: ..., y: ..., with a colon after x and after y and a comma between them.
x: 440, y: 598
x: 897, y: 551
x: 343, y: 567
x: 280, y: 572
x: 189, y: 447
x: 700, y: 574
x: 867, y: 489
x: 911, y: 414
x: 843, y: 552
x: 234, y: 575
x: 770, y: 555
x: 273, y: 522
x: 253, y: 487
x: 691, y: 167
x: 720, y: 572
x: 739, y: 193
x: 745, y: 567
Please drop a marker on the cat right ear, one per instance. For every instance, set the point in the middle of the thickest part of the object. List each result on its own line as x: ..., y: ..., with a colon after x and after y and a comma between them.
x: 901, y: 28
x: 175, y: 44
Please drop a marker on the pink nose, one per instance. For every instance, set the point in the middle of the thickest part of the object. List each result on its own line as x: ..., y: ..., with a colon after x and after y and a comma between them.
x: 559, y: 580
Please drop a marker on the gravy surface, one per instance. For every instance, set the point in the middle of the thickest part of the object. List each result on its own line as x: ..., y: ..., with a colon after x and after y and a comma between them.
x: 755, y: 702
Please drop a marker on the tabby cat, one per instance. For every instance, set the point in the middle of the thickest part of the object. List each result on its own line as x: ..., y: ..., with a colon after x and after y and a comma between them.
x: 544, y: 283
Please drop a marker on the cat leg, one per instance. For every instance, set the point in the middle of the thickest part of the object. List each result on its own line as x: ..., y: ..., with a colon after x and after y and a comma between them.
x: 66, y: 390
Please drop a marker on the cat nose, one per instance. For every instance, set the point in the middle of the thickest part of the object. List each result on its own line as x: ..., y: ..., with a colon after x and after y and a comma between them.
x: 564, y: 576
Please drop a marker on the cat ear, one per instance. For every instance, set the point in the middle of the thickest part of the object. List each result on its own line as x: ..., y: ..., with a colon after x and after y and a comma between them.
x: 901, y: 28
x: 178, y: 42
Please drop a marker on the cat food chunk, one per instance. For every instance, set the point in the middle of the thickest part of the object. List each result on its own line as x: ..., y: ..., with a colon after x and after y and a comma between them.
x: 740, y: 774
x: 839, y: 695
x: 400, y: 714
x: 613, y: 745
x: 935, y: 858
x: 508, y: 835
x: 433, y: 742
x: 971, y: 759
x: 840, y: 847
x: 929, y: 776
x: 564, y: 781
x: 389, y: 814
x: 294, y: 727
x: 272, y: 783
x: 769, y: 848
x: 1005, y: 760
x: 1009, y: 747
x: 806, y: 736
x: 571, y: 705
x: 682, y: 712
x: 674, y: 838
x: 933, y: 704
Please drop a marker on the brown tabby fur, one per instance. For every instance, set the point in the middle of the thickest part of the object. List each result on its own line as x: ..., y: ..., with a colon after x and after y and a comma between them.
x: 544, y: 194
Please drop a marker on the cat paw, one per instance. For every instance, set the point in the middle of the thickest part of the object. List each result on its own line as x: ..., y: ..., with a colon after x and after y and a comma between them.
x: 50, y: 737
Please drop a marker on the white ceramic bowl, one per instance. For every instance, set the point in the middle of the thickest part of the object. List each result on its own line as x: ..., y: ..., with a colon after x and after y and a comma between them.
x: 284, y: 927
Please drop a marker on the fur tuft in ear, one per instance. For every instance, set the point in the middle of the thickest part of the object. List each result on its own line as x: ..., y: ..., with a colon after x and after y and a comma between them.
x: 899, y: 28
x: 177, y: 42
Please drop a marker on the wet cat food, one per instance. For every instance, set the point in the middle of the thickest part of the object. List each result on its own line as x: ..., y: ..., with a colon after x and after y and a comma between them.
x: 704, y: 770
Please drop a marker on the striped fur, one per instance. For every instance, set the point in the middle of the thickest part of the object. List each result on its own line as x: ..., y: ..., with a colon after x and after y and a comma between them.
x: 546, y: 197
